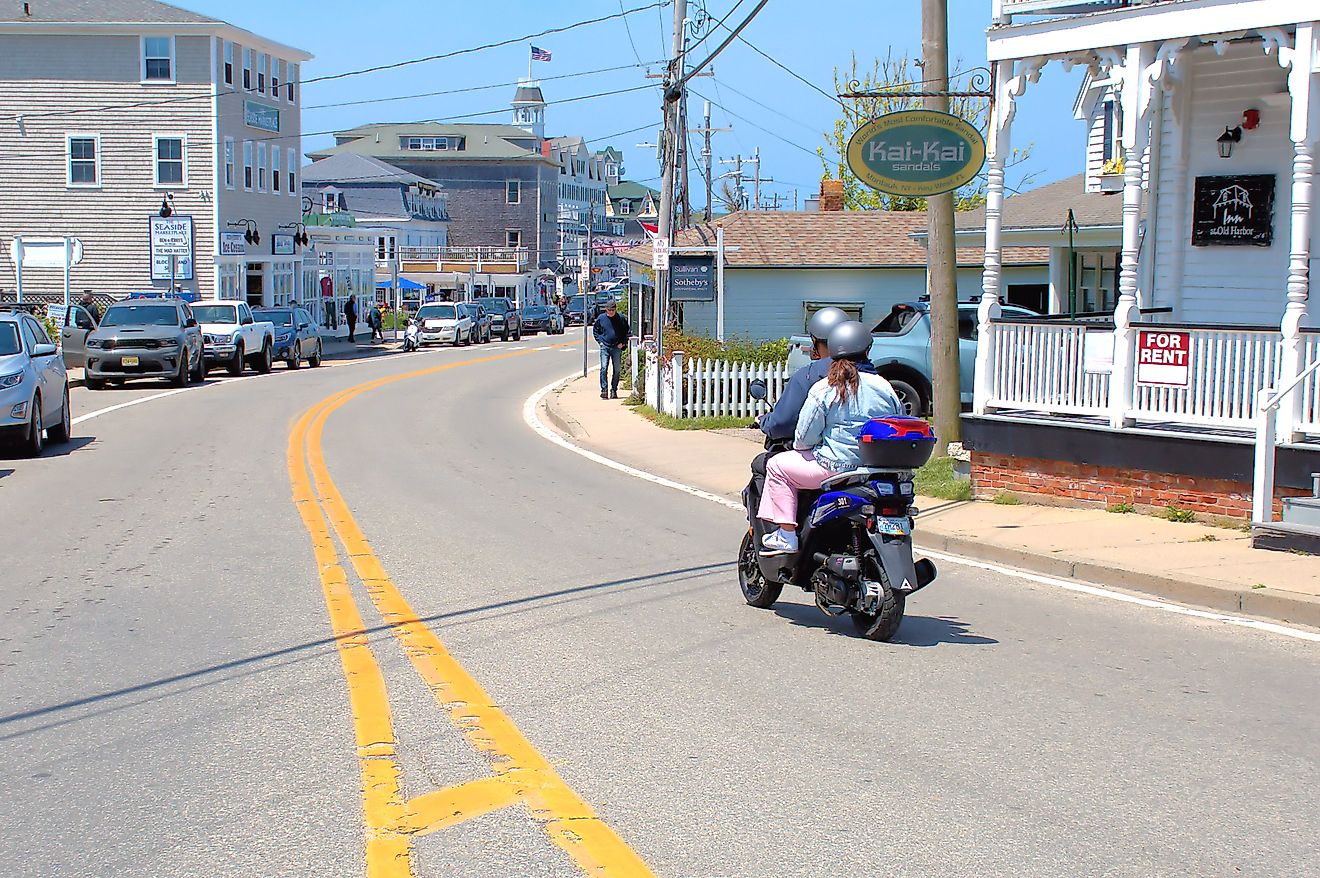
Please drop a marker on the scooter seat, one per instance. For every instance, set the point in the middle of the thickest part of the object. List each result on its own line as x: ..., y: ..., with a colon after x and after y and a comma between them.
x: 759, y: 462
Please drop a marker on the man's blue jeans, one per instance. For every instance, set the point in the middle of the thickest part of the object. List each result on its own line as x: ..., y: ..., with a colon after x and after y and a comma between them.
x: 610, y: 356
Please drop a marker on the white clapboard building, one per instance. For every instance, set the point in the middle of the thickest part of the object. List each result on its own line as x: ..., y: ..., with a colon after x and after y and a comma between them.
x: 1204, y: 117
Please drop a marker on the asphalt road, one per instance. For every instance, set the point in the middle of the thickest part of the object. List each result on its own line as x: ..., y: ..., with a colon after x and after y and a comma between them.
x: 176, y: 702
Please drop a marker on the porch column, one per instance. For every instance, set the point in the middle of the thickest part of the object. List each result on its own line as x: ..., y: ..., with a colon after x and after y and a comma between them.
x: 1136, y: 96
x: 1007, y: 89
x: 1304, y: 131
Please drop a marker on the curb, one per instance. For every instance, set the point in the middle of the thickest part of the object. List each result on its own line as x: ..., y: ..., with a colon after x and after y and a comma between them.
x: 1270, y: 604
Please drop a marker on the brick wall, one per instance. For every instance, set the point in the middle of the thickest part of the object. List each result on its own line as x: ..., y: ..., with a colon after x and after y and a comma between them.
x: 1086, y: 485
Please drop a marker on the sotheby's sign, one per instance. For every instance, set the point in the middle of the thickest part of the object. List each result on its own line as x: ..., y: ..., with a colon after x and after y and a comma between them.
x: 692, y: 278
x: 916, y: 153
x: 1236, y: 210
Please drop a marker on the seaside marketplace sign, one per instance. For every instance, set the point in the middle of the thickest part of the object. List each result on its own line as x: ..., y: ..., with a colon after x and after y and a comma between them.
x: 916, y: 153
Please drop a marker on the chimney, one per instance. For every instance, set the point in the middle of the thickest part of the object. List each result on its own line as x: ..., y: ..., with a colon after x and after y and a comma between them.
x: 831, y: 195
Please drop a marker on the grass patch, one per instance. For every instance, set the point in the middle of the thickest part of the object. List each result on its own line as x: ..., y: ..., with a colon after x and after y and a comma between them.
x: 1259, y: 585
x: 669, y: 422
x: 937, y: 479
x: 1182, y: 516
x: 1121, y: 508
x: 1007, y: 498
x: 1208, y: 538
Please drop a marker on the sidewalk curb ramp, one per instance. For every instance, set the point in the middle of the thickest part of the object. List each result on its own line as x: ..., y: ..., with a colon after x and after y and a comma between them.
x: 1273, y: 604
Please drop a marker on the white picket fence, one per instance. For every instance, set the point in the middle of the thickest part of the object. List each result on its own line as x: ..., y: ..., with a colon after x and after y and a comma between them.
x: 1228, y: 368
x: 1039, y: 367
x: 710, y: 388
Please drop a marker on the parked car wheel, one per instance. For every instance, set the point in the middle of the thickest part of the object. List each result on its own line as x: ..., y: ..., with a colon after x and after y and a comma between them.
x: 61, y: 432
x: 236, y: 364
x: 504, y: 336
x: 913, y: 402
x: 35, y: 440
x: 181, y: 377
x: 315, y: 359
x: 199, y: 368
x: 264, y: 361
x: 94, y: 383
x: 295, y: 356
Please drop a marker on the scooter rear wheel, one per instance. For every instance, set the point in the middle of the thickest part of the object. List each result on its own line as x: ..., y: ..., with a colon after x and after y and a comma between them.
x: 883, y: 625
x: 756, y: 591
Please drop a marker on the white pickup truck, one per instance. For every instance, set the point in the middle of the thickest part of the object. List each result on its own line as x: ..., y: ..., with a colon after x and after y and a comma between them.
x: 231, y: 336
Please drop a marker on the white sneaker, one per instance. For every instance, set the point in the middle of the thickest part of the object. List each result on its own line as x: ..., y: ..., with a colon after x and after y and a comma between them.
x: 781, y: 542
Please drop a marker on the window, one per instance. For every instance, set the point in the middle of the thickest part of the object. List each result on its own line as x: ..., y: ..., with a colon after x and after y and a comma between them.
x: 229, y: 63
x: 292, y: 190
x: 229, y: 163
x: 293, y: 77
x: 158, y: 59
x: 429, y: 144
x: 247, y: 165
x: 169, y: 160
x: 261, y: 167
x: 513, y: 192
x: 625, y: 208
x: 330, y: 201
x: 616, y: 228
x: 513, y: 238
x: 275, y: 169
x: 1113, y: 131
x: 84, y: 160
x: 386, y: 247
x: 261, y: 73
x: 247, y: 70
x: 276, y: 74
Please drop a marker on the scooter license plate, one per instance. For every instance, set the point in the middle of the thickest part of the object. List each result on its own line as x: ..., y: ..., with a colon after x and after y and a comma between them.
x: 893, y: 527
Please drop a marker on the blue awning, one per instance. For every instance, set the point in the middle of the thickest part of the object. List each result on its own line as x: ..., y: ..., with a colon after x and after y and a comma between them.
x: 404, y: 284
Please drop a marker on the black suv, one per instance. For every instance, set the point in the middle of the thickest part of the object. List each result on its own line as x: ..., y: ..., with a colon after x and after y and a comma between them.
x: 505, y: 319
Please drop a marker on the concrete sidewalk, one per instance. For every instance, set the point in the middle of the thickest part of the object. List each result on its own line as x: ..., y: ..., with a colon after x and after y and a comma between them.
x: 1191, y: 563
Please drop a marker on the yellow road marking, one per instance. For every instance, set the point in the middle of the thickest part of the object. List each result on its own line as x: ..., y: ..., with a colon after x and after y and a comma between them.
x: 564, y: 816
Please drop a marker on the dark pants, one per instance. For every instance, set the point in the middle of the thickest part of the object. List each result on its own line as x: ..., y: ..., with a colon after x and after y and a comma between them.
x: 610, y: 356
x: 352, y: 326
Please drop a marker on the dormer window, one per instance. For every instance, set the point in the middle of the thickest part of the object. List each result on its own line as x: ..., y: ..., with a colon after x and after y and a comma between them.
x: 1113, y: 130
x: 425, y: 144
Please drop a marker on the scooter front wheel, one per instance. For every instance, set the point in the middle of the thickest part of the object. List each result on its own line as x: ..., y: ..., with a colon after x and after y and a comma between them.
x: 756, y: 590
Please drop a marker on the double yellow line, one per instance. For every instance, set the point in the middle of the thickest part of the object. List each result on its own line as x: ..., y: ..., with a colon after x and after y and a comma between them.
x: 521, y: 775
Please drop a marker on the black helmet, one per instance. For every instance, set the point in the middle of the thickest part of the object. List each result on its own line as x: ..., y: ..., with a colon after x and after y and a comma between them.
x: 822, y: 323
x: 850, y: 341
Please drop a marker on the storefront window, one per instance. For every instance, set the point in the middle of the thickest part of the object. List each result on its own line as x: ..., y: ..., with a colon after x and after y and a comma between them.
x: 229, y: 280
x: 282, y: 284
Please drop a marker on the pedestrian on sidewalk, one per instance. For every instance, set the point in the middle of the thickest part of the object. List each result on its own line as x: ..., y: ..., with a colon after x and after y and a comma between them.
x: 825, y: 442
x: 612, y: 333
x: 350, y: 316
x: 374, y: 321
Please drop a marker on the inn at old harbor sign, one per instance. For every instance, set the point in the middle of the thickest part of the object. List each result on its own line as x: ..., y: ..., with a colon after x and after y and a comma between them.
x: 915, y: 153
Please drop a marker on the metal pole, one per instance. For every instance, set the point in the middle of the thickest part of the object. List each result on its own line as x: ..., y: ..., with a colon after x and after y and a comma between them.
x: 719, y: 282
x: 68, y: 255
x: 18, y: 267
x: 585, y: 286
x: 394, y: 288
x: 706, y: 155
x: 665, y: 220
x: 173, y: 271
x: 942, y: 265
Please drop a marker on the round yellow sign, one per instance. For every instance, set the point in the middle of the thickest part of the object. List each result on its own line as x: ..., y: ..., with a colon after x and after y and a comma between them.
x: 916, y: 153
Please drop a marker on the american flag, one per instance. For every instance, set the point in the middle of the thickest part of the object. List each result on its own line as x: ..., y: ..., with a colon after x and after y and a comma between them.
x: 540, y: 54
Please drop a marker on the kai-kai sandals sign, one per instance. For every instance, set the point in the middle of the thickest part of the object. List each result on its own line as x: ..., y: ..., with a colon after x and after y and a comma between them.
x: 916, y: 153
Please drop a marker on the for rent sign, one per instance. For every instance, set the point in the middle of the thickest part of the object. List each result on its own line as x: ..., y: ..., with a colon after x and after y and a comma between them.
x: 1164, y: 358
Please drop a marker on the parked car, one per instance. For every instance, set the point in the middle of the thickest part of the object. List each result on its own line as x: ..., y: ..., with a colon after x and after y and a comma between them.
x: 235, y: 337
x: 481, y: 321
x: 444, y: 322
x: 145, y: 338
x: 34, y: 388
x: 296, y: 336
x: 505, y: 318
x: 901, y: 351
x: 539, y: 318
x: 598, y: 300
x: 78, y: 322
x: 573, y: 314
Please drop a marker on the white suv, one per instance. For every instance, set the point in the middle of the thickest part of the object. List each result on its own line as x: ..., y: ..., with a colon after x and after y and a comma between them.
x: 34, y: 389
x: 444, y: 322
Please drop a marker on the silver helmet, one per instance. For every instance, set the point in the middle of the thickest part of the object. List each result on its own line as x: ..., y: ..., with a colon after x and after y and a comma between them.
x: 850, y: 341
x: 822, y: 323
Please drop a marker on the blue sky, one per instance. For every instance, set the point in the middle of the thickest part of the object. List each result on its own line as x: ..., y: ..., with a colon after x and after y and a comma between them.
x: 810, y: 36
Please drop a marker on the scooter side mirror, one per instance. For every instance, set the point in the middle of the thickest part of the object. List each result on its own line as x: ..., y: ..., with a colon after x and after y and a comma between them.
x: 758, y: 389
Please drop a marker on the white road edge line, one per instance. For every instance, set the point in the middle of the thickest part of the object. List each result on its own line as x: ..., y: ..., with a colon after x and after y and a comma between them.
x: 533, y: 420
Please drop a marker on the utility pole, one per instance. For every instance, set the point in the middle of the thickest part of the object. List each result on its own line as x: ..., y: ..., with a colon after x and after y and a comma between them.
x: 706, y: 131
x: 584, y: 286
x: 737, y: 175
x: 941, y: 272
x: 758, y: 179
x: 669, y: 151
x: 683, y: 158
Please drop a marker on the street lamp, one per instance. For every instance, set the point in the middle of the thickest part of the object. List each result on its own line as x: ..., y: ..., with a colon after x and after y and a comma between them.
x: 250, y: 233
x: 167, y: 205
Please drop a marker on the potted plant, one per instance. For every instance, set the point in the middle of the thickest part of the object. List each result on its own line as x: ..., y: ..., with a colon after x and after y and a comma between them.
x: 1112, y: 175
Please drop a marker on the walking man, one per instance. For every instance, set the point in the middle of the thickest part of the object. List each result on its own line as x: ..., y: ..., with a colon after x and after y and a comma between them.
x: 350, y: 316
x: 612, y: 333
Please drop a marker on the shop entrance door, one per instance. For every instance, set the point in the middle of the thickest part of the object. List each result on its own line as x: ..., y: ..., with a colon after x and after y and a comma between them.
x: 255, y: 285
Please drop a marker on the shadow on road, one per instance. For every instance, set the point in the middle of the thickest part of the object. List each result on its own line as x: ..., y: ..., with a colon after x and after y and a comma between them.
x: 314, y: 648
x: 914, y: 631
x: 52, y: 450
x: 6, y: 472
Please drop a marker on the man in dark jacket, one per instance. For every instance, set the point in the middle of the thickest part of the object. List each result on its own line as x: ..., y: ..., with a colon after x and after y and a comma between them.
x: 612, y: 331
x: 781, y: 421
x: 350, y: 316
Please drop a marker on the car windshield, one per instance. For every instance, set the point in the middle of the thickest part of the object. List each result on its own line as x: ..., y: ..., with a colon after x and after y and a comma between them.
x: 279, y: 318
x: 576, y: 302
x: 496, y: 306
x: 9, y: 339
x: 536, y: 311
x: 604, y: 297
x: 216, y: 313
x: 437, y: 312
x: 141, y: 315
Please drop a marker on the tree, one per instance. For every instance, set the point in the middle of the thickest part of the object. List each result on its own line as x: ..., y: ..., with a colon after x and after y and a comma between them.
x: 896, y: 75
x: 730, y: 195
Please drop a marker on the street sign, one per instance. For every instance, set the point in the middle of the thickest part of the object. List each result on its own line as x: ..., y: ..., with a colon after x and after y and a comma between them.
x: 261, y: 116
x: 692, y: 278
x: 1164, y: 358
x: 916, y: 153
x: 171, y: 248
x: 660, y: 254
x: 46, y: 252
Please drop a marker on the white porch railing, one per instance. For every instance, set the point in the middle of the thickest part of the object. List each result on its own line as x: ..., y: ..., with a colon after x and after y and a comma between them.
x: 1309, y: 422
x: 1262, y: 487
x: 1040, y: 367
x: 1227, y: 366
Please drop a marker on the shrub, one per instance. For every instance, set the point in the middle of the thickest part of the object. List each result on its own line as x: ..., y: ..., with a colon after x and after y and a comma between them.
x: 737, y: 349
x: 1182, y: 516
x: 1007, y: 498
x: 1121, y: 508
x: 937, y: 479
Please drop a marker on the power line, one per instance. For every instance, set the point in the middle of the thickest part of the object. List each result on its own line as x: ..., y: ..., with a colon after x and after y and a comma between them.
x: 773, y: 134
x: 554, y: 30
x: 770, y: 108
x: 788, y: 70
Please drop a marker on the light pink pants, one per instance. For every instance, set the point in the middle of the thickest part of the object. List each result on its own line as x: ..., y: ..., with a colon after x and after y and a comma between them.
x: 785, y: 474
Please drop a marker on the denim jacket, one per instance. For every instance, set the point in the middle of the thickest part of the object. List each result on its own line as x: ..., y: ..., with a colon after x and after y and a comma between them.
x: 829, y: 428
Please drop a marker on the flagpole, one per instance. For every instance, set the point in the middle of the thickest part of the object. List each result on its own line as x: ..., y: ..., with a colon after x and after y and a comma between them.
x: 529, y: 63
